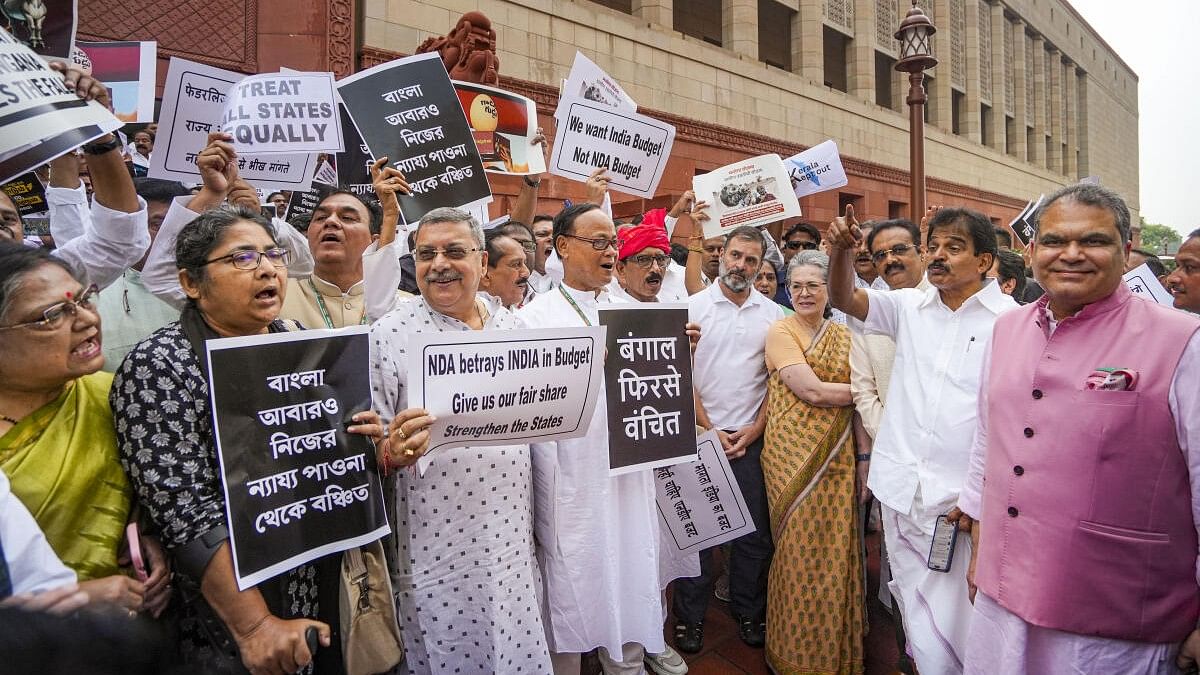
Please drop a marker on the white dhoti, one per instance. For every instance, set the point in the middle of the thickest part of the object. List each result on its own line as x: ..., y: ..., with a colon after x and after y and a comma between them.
x: 935, y: 605
x: 1002, y: 643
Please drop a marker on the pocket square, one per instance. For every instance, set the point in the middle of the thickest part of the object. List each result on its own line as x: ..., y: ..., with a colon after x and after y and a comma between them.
x: 1112, y: 379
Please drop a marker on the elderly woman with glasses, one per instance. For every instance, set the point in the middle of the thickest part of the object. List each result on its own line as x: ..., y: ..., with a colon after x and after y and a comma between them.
x: 235, y: 275
x: 815, y: 588
x: 57, y: 445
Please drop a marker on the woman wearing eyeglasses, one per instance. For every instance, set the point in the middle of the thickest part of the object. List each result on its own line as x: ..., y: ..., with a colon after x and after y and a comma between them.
x: 234, y: 274
x: 56, y: 428
x: 815, y: 589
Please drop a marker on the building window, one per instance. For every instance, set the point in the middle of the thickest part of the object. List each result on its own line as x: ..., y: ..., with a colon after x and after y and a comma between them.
x: 897, y: 210
x: 847, y: 199
x: 985, y: 122
x: 625, y: 6
x: 700, y: 19
x: 836, y: 45
x: 883, y: 81
x: 775, y: 34
x: 958, y: 110
x: 1010, y: 135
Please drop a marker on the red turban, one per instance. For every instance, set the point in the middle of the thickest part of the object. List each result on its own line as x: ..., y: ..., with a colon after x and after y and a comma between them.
x: 655, y: 217
x: 639, y: 237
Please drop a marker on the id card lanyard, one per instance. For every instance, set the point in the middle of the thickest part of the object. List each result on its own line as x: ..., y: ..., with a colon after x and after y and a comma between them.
x: 325, y: 310
x: 586, y: 321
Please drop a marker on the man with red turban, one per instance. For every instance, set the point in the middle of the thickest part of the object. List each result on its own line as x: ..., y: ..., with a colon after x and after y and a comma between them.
x: 644, y: 266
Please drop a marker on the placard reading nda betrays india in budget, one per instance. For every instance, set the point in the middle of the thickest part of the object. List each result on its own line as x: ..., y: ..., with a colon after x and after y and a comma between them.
x: 634, y: 148
x: 505, y: 387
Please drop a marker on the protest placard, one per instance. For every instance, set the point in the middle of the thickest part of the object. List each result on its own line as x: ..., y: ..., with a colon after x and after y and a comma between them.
x: 504, y: 387
x: 503, y: 124
x: 648, y: 384
x: 280, y: 113
x: 634, y: 148
x: 1022, y: 225
x: 40, y: 118
x: 27, y: 193
x: 753, y: 192
x: 420, y: 127
x: 302, y: 203
x: 817, y: 169
x: 589, y: 81
x: 192, y: 104
x: 1142, y: 282
x: 700, y: 503
x: 297, y: 485
x: 127, y: 69
x: 45, y: 26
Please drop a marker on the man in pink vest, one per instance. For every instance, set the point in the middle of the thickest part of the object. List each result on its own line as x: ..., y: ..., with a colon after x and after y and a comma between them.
x: 1085, y: 471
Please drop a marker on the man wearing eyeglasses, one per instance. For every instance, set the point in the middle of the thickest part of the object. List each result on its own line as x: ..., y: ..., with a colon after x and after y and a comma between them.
x: 920, y: 457
x: 466, y: 566
x: 642, y: 266
x: 598, y: 535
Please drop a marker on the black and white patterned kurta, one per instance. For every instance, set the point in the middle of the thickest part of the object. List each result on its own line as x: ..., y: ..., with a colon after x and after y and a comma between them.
x: 161, y: 407
x: 467, y: 591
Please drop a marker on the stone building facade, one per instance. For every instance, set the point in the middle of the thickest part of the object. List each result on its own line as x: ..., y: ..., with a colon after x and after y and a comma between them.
x: 1026, y: 96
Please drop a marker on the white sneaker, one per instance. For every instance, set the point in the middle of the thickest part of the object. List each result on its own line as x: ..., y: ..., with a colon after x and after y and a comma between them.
x: 667, y: 663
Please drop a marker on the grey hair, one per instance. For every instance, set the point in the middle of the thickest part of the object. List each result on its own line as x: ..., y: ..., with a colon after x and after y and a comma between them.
x: 810, y: 258
x: 1091, y: 195
x: 446, y: 214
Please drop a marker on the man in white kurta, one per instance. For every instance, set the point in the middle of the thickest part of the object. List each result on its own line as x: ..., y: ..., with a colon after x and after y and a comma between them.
x: 597, y: 535
x: 468, y: 582
x: 920, y: 457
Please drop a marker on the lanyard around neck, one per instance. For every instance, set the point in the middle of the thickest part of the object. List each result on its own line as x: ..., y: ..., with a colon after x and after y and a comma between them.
x: 571, y: 300
x: 325, y: 310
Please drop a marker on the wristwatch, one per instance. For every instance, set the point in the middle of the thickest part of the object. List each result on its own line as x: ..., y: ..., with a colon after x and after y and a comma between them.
x: 101, y: 148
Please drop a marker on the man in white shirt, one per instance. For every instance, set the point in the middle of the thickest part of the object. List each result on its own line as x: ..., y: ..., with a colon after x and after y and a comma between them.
x: 920, y: 457
x: 730, y: 378
x: 543, y: 238
x: 598, y: 535
x: 29, y: 568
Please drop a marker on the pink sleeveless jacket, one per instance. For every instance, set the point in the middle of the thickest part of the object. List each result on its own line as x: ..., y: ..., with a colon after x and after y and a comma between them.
x: 1087, y: 511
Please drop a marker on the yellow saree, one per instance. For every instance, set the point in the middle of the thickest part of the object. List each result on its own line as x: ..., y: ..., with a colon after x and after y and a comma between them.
x: 815, y: 590
x: 62, y: 462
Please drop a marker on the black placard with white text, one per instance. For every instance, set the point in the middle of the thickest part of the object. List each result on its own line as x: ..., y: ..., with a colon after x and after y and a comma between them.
x: 407, y: 110
x: 648, y: 378
x: 298, y: 486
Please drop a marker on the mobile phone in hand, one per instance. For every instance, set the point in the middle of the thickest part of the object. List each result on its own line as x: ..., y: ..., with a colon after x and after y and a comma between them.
x: 135, y: 552
x: 941, y: 551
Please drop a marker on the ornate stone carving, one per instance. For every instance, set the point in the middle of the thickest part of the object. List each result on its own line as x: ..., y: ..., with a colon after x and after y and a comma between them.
x: 468, y: 51
x: 958, y: 42
x: 886, y: 23
x: 839, y: 14
x: 224, y: 34
x: 1010, y: 79
x: 341, y: 37
x: 985, y: 52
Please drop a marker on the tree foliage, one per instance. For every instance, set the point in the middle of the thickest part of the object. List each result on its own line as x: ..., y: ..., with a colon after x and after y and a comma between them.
x: 1159, y: 238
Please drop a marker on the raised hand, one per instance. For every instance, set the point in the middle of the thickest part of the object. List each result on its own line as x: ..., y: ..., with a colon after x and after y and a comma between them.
x: 844, y: 232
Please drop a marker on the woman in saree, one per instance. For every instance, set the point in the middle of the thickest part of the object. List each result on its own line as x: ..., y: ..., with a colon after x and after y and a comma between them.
x: 815, y: 591
x: 57, y: 445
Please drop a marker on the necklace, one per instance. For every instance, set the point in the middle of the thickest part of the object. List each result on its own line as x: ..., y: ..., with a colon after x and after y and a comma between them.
x: 325, y: 310
x: 571, y: 300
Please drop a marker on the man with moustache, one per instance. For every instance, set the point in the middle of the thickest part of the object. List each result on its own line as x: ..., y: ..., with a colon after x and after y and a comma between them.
x: 506, y: 277
x: 598, y: 535
x: 642, y: 265
x: 1085, y: 556
x: 465, y: 571
x: 1184, y: 281
x: 730, y: 380
x: 919, y: 458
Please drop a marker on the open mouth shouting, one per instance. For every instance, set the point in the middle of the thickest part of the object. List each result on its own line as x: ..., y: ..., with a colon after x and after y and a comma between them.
x: 88, y: 348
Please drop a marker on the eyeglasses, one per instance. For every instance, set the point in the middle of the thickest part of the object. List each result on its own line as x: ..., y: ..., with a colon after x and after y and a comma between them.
x: 647, y: 261
x: 796, y: 244
x: 897, y: 250
x: 251, y: 260
x: 53, y: 316
x: 601, y: 243
x: 812, y: 287
x: 429, y: 254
